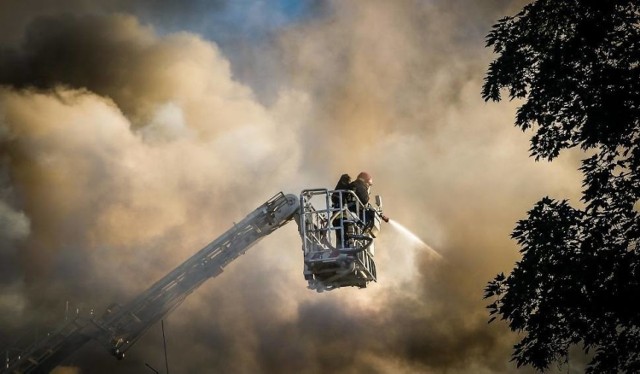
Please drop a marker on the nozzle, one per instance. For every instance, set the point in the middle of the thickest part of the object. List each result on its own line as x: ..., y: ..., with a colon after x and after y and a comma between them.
x: 382, y: 216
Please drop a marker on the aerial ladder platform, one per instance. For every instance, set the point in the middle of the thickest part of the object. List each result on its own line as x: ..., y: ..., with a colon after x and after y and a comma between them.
x: 337, y: 233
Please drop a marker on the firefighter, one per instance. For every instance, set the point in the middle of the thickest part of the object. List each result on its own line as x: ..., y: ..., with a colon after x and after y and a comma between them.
x: 343, y: 184
x: 361, y: 186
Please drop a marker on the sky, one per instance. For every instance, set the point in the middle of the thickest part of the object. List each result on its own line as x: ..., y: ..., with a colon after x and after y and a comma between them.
x: 133, y: 133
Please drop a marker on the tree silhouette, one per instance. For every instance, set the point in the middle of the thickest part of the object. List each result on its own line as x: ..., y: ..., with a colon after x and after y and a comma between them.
x: 575, y: 64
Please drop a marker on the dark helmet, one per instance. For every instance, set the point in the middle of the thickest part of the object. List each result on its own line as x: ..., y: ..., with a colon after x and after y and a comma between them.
x: 366, y: 177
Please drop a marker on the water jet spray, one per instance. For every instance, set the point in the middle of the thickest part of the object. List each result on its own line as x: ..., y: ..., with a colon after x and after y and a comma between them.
x: 412, y: 237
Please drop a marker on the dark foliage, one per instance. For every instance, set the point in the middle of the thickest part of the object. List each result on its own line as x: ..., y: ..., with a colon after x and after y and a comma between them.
x: 575, y: 65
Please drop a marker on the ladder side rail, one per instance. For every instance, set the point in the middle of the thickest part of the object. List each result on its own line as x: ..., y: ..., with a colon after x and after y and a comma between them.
x: 168, y: 280
x: 273, y: 204
x: 134, y: 319
x: 51, y: 345
x: 163, y: 287
x: 62, y: 350
x: 171, y: 296
x: 165, y: 295
x: 135, y: 328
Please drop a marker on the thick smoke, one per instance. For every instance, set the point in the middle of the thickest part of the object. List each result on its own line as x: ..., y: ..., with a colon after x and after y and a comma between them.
x: 124, y: 150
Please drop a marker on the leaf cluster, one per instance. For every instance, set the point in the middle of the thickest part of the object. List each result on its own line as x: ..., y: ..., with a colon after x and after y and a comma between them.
x: 576, y: 66
x: 576, y: 62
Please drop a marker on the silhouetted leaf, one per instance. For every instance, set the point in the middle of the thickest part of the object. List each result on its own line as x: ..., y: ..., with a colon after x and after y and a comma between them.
x: 576, y: 66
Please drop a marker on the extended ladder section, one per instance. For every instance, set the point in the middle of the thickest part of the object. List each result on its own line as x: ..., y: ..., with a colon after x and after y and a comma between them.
x: 337, y: 233
x: 121, y: 326
x: 45, y: 354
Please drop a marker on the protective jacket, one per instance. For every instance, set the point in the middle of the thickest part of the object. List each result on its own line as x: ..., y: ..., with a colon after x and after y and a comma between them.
x: 362, y: 191
x: 343, y: 184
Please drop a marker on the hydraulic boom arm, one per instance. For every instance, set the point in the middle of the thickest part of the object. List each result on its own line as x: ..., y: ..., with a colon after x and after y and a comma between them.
x: 125, y: 325
x: 121, y: 326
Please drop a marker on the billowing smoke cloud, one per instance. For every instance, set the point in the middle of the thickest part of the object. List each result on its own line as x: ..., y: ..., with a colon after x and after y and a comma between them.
x: 124, y: 150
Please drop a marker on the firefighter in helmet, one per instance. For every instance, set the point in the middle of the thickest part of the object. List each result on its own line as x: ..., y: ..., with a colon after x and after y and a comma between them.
x: 362, y: 187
